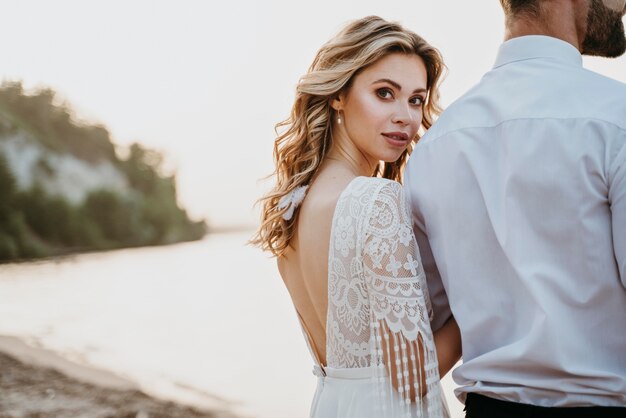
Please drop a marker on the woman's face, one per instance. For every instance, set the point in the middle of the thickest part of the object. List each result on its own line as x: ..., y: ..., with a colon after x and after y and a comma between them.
x: 382, y: 110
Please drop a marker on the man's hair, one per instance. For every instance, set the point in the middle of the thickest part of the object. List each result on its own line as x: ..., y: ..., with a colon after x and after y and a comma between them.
x: 515, y: 8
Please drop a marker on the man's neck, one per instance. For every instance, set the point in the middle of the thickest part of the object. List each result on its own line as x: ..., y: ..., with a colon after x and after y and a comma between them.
x: 561, y: 21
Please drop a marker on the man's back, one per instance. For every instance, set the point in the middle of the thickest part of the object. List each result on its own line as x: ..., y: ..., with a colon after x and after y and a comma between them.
x: 520, y: 188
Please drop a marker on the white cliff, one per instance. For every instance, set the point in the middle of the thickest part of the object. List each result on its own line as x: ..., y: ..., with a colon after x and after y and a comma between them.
x: 58, y: 174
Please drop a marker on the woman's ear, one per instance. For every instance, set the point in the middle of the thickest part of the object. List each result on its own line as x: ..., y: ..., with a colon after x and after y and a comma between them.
x: 337, y: 102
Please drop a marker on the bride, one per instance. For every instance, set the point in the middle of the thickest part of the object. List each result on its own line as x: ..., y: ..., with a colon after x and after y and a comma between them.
x: 338, y: 223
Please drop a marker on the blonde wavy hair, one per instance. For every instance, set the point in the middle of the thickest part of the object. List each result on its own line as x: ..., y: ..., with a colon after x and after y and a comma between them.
x: 307, y: 134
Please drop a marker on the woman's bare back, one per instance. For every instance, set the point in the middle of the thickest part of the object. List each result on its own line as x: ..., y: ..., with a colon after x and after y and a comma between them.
x: 304, y: 266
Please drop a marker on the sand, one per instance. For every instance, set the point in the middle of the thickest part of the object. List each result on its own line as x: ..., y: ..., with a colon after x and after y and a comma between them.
x: 36, y: 383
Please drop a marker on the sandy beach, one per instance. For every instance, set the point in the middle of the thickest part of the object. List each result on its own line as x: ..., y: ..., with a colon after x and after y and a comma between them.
x: 37, y: 383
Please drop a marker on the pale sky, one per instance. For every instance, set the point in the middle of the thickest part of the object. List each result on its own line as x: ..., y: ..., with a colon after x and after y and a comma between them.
x: 206, y: 81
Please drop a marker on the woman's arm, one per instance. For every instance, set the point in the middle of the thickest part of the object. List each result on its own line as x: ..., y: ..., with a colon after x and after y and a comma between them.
x: 448, y: 344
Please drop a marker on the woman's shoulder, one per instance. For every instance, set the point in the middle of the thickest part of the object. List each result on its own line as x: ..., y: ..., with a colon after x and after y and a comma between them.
x: 372, y: 186
x: 372, y: 189
x: 356, y: 199
x: 367, y: 197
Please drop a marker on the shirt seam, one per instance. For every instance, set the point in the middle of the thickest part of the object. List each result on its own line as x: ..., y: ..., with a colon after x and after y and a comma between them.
x: 520, y: 119
x: 615, y: 166
x: 576, y: 65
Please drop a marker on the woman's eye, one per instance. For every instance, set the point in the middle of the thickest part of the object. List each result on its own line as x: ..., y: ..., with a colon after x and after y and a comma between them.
x: 384, y: 93
x: 417, y: 100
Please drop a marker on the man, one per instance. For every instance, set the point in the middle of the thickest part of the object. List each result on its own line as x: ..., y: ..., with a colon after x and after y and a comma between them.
x: 519, y: 200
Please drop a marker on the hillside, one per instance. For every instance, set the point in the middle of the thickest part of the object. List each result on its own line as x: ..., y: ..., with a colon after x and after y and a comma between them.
x: 65, y: 188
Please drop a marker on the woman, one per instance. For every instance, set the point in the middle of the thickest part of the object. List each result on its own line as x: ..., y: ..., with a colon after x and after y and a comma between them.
x: 346, y: 252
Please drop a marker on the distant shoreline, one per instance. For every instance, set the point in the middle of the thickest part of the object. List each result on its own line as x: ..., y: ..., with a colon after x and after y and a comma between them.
x: 35, y: 380
x: 69, y: 253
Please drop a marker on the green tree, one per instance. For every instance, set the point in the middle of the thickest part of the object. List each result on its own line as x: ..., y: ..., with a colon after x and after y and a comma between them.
x: 14, y: 232
x: 117, y: 218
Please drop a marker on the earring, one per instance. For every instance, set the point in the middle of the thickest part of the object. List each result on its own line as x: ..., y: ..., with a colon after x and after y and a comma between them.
x: 339, y: 119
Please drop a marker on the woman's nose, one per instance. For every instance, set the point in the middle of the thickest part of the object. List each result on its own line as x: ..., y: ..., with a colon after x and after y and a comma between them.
x: 403, y: 115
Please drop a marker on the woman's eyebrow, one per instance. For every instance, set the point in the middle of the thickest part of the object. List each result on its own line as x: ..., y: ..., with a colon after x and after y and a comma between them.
x: 386, y: 80
x: 397, y: 86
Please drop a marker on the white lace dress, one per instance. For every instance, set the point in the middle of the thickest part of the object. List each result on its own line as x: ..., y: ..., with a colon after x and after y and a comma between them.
x: 378, y: 312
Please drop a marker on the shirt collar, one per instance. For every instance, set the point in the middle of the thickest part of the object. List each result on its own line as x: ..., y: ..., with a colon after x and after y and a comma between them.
x: 537, y: 46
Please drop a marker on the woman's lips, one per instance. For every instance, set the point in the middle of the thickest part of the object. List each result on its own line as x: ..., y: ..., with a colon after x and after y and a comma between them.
x: 398, y: 139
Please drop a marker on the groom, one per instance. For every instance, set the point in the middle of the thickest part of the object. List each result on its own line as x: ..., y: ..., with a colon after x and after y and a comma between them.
x: 519, y: 200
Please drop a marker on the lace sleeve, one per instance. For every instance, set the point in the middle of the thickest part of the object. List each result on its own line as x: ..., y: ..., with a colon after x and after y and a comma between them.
x: 403, y: 344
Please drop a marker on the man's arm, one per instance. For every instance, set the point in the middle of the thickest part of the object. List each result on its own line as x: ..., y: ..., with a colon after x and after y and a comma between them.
x: 438, y: 297
x: 617, y: 202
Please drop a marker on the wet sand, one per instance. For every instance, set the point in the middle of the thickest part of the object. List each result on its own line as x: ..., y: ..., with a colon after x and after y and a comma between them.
x: 36, y: 383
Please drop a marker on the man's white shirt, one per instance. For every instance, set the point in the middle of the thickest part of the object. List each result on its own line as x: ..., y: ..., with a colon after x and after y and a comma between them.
x: 519, y: 200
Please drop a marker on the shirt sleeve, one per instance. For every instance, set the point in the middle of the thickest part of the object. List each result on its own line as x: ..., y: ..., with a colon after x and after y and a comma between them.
x: 438, y: 298
x: 617, y: 201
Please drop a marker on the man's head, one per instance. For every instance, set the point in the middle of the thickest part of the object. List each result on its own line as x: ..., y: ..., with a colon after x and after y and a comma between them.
x: 604, y: 35
x: 599, y: 23
x: 520, y: 8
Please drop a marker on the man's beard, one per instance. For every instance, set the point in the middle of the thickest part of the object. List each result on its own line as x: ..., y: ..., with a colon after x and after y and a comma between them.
x: 605, y: 32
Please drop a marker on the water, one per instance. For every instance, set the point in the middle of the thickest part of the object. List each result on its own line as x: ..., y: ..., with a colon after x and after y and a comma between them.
x: 209, y: 323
